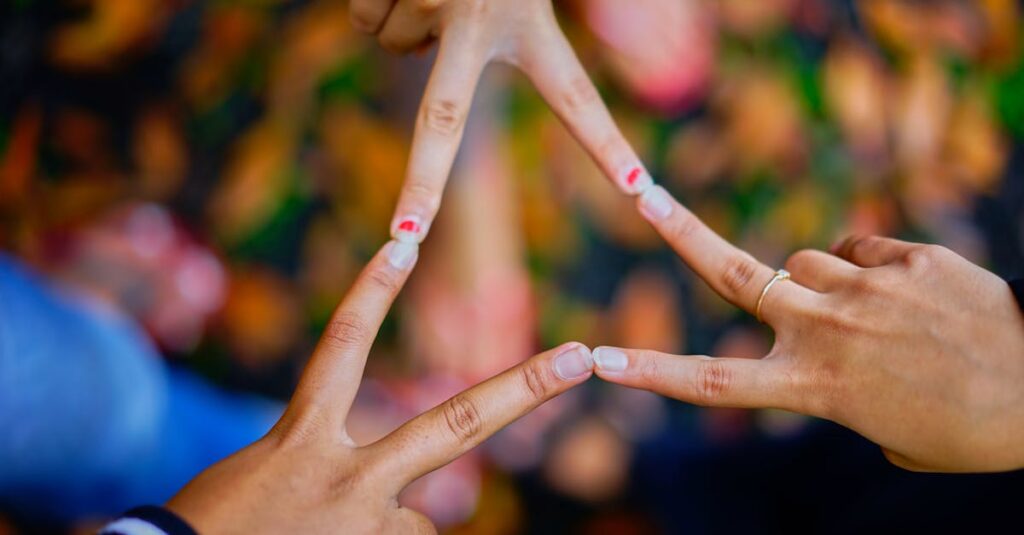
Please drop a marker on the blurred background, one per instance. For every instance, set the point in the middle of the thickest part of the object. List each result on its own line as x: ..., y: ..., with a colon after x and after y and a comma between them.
x: 188, y: 187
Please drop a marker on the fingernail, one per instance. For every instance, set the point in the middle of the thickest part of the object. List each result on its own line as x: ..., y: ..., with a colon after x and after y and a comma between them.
x: 610, y: 359
x: 402, y: 255
x: 656, y: 203
x: 574, y: 362
x: 409, y: 229
x: 637, y: 179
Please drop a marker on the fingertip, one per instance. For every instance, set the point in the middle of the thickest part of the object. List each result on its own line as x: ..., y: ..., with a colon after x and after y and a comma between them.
x: 573, y: 361
x: 409, y: 228
x: 401, y: 255
x: 656, y: 204
x: 610, y: 360
x: 634, y: 179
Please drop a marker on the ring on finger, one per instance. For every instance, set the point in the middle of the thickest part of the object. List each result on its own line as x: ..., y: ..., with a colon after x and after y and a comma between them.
x: 780, y: 275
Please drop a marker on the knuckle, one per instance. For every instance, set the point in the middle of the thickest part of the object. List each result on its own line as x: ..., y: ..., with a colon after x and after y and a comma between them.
x: 579, y: 94
x: 425, y: 195
x: 919, y: 259
x: 713, y: 381
x: 739, y: 271
x: 442, y: 117
x: 536, y: 380
x: 647, y: 369
x: 345, y: 330
x: 686, y: 225
x: 462, y: 418
x: 386, y: 280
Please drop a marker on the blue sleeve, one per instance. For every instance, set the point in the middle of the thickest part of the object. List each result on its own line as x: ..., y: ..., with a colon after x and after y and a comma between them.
x: 82, y: 395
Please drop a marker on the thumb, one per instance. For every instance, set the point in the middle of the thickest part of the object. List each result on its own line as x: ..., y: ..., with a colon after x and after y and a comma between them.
x: 701, y: 380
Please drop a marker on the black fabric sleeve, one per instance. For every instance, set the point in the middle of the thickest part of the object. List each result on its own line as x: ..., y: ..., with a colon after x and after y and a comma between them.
x: 157, y: 517
x: 1017, y: 286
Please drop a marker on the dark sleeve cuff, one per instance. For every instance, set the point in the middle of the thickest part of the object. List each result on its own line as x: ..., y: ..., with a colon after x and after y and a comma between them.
x: 148, y: 520
x: 1017, y: 286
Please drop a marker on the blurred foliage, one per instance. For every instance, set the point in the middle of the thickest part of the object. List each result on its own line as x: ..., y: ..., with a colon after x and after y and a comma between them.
x: 274, y: 139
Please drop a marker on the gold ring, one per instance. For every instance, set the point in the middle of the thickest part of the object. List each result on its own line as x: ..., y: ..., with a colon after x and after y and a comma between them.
x: 780, y: 275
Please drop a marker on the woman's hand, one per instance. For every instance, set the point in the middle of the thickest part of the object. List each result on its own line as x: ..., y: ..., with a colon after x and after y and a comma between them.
x: 910, y: 345
x: 473, y: 33
x: 308, y: 476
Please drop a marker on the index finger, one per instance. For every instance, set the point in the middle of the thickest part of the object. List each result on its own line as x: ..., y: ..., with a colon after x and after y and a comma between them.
x: 439, y: 127
x: 732, y: 272
x: 438, y: 436
x: 552, y: 66
x: 331, y: 379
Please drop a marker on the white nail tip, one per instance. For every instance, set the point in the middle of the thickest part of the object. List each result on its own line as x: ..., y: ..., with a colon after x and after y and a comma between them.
x: 656, y: 203
x: 610, y: 359
x: 401, y: 255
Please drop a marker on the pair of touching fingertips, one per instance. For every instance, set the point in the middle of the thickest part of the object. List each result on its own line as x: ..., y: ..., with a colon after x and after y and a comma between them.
x: 408, y: 229
x: 408, y: 232
x: 609, y: 359
x: 655, y: 201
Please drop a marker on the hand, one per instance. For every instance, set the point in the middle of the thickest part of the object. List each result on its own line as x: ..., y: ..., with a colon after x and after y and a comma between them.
x: 308, y: 476
x: 910, y: 345
x: 473, y: 33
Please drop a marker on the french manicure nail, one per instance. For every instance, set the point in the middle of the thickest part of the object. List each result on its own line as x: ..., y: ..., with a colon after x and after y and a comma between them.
x: 574, y: 362
x: 610, y: 359
x: 402, y: 255
x: 409, y: 229
x: 656, y: 203
x: 637, y: 179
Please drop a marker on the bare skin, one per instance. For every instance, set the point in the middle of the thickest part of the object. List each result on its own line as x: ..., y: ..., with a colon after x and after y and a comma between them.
x: 908, y: 344
x: 472, y: 34
x: 308, y: 476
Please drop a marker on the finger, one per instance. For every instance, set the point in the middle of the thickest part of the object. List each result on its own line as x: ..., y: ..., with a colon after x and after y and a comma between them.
x: 331, y: 379
x: 438, y: 436
x: 554, y: 69
x: 367, y: 16
x: 731, y: 272
x: 439, y: 129
x: 905, y: 462
x: 701, y: 380
x: 409, y: 24
x: 819, y: 270
x: 871, y: 251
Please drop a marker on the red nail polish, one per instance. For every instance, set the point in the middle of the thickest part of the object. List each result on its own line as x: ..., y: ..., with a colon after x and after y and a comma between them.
x: 637, y: 180
x: 409, y: 230
x: 632, y: 176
